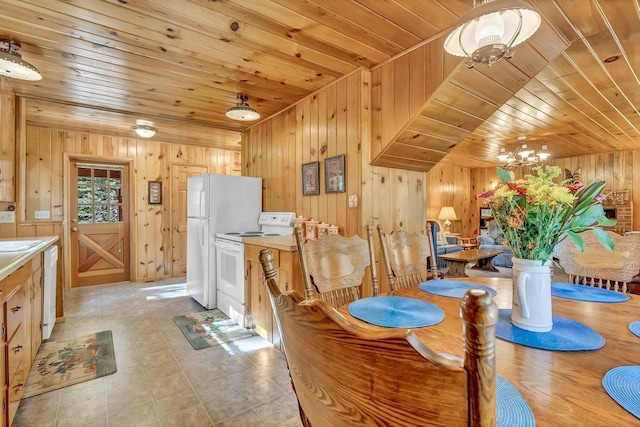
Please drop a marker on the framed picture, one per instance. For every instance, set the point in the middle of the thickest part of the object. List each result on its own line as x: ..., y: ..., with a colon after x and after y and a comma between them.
x: 310, y: 181
x: 334, y: 174
x: 485, y: 213
x: 155, y: 192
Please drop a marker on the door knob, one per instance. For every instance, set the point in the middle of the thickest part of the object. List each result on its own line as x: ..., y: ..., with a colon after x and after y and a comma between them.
x: 74, y: 229
x: 74, y: 220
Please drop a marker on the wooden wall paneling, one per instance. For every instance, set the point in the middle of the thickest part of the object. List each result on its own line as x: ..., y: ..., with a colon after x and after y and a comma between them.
x: 7, y: 141
x: 57, y: 176
x: 323, y: 135
x: 402, y: 90
x: 375, y: 126
x: 349, y: 148
x: 357, y: 108
x: 330, y: 149
x: 313, y: 122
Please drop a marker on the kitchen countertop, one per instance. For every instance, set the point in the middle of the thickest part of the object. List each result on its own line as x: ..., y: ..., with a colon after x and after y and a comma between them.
x: 10, y: 261
x: 283, y: 243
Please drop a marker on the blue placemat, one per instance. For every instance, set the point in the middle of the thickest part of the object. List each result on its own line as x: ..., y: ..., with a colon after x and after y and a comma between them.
x: 511, y: 408
x: 586, y: 293
x: 623, y: 385
x: 452, y: 288
x: 396, y: 312
x: 566, y: 335
x: 634, y: 327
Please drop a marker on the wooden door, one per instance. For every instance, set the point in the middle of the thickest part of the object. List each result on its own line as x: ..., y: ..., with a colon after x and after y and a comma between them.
x: 99, y: 212
x: 180, y: 174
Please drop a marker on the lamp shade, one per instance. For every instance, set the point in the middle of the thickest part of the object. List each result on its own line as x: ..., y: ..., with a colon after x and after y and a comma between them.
x: 144, y: 129
x: 12, y: 65
x: 242, y: 111
x: 490, y: 29
x: 448, y: 213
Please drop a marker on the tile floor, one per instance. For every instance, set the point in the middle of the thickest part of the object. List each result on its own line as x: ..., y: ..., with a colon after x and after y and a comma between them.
x: 161, y: 380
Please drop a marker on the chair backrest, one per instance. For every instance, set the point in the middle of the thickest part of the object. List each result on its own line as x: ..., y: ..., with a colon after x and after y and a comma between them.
x: 598, y: 266
x: 405, y: 257
x: 346, y: 372
x: 334, y: 266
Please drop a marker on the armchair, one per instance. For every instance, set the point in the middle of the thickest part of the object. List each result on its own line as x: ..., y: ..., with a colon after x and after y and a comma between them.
x: 442, y: 243
x: 494, y: 242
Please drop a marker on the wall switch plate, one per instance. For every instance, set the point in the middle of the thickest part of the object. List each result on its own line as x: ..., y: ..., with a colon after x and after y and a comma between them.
x: 41, y: 215
x: 353, y: 201
x: 7, y: 217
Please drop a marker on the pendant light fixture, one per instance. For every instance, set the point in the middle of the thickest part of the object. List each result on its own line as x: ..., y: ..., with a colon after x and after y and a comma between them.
x: 144, y: 128
x: 489, y: 31
x: 241, y: 111
x: 523, y: 156
x: 12, y: 65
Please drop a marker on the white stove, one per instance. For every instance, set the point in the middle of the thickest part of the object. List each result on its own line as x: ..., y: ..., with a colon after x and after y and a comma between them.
x: 230, y: 260
x: 270, y: 224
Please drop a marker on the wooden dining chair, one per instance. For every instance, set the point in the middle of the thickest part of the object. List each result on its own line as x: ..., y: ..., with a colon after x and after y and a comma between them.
x: 348, y: 373
x: 333, y: 266
x: 597, y: 266
x: 405, y: 257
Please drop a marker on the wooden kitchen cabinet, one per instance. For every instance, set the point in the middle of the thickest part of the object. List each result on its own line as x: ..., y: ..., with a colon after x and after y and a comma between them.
x: 259, y: 312
x: 22, y: 314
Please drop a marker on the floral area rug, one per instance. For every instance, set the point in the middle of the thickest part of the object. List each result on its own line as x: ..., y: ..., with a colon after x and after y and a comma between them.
x: 63, y: 363
x: 210, y: 328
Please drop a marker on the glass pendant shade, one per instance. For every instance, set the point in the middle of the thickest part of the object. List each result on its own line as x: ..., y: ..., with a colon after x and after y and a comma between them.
x: 489, y: 31
x: 12, y: 65
x: 242, y: 111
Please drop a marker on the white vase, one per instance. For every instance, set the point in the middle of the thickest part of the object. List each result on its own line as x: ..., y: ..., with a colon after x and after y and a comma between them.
x: 531, y: 306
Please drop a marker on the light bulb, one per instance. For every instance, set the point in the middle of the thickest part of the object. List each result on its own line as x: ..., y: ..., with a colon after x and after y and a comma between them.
x: 490, y: 29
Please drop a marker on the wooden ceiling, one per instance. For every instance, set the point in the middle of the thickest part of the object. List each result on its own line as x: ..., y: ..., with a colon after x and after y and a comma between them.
x: 181, y: 64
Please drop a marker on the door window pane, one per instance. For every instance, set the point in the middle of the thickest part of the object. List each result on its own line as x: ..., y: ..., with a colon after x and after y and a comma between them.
x: 99, y: 195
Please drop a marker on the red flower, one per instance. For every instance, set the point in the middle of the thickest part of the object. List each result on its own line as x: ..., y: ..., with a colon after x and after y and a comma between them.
x: 520, y: 190
x: 575, y: 187
x: 487, y: 193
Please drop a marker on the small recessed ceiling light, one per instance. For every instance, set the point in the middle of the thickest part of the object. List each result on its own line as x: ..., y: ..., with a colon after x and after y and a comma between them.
x: 613, y: 58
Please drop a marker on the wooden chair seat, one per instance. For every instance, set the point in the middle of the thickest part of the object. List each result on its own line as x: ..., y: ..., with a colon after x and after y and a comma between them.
x: 405, y: 258
x: 334, y: 267
x: 346, y: 373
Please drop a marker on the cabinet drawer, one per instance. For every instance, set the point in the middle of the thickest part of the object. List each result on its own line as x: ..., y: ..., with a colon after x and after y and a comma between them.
x: 16, y: 386
x: 15, y: 354
x: 14, y: 312
x: 17, y: 277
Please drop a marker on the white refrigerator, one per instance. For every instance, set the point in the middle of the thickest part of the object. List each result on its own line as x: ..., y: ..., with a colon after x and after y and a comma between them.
x: 216, y: 204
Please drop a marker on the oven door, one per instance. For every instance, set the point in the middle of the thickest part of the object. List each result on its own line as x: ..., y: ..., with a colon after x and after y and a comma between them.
x: 230, y: 279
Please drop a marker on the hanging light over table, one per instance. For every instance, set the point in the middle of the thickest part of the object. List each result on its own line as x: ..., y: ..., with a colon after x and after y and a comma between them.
x: 12, y: 65
x: 242, y: 111
x: 489, y: 31
x: 523, y: 156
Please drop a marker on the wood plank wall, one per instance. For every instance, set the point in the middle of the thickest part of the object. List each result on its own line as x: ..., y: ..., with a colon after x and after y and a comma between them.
x: 43, y: 158
x: 7, y: 150
x: 451, y: 186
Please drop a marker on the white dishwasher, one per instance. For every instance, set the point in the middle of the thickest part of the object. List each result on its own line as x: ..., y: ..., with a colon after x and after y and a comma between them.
x: 49, y: 289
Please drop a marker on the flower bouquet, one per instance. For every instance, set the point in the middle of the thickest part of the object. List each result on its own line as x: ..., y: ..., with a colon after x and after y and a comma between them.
x: 536, y: 213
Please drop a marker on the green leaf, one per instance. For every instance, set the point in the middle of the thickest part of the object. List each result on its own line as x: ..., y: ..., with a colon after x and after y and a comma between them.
x: 577, y: 240
x: 589, y: 192
x: 604, y: 238
x: 606, y: 222
x: 590, y: 216
x: 504, y: 175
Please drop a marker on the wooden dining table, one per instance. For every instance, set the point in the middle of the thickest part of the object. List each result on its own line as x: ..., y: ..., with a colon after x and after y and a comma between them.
x: 562, y: 388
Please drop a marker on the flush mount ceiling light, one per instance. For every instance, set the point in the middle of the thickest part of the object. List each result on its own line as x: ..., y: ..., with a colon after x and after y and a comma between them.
x: 523, y: 156
x: 241, y: 111
x: 489, y: 31
x: 144, y: 128
x: 12, y: 65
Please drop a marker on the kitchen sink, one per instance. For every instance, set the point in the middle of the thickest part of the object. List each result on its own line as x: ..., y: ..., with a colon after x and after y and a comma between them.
x: 18, y: 245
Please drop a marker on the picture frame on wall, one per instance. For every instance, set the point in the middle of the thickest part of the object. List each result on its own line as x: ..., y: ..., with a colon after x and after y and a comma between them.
x: 334, y: 180
x: 310, y: 179
x: 155, y: 192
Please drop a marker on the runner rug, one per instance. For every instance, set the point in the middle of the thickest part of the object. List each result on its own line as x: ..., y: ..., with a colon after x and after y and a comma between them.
x: 210, y: 328
x: 63, y: 363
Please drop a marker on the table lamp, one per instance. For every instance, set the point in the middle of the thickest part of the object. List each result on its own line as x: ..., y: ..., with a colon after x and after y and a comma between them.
x: 447, y: 213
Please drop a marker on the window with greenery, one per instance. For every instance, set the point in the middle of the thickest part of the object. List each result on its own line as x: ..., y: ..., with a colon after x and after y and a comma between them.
x: 99, y: 194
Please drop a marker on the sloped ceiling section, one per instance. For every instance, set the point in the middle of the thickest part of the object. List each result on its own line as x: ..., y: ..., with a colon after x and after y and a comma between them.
x: 461, y: 103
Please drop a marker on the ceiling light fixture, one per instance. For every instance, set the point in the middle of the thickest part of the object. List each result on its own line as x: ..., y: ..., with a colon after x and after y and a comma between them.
x: 489, y: 31
x: 12, y: 65
x: 144, y: 129
x: 242, y: 111
x: 523, y: 156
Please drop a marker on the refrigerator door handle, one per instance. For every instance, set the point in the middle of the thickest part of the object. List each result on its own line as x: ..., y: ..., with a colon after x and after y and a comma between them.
x: 201, y: 197
x: 201, y: 234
